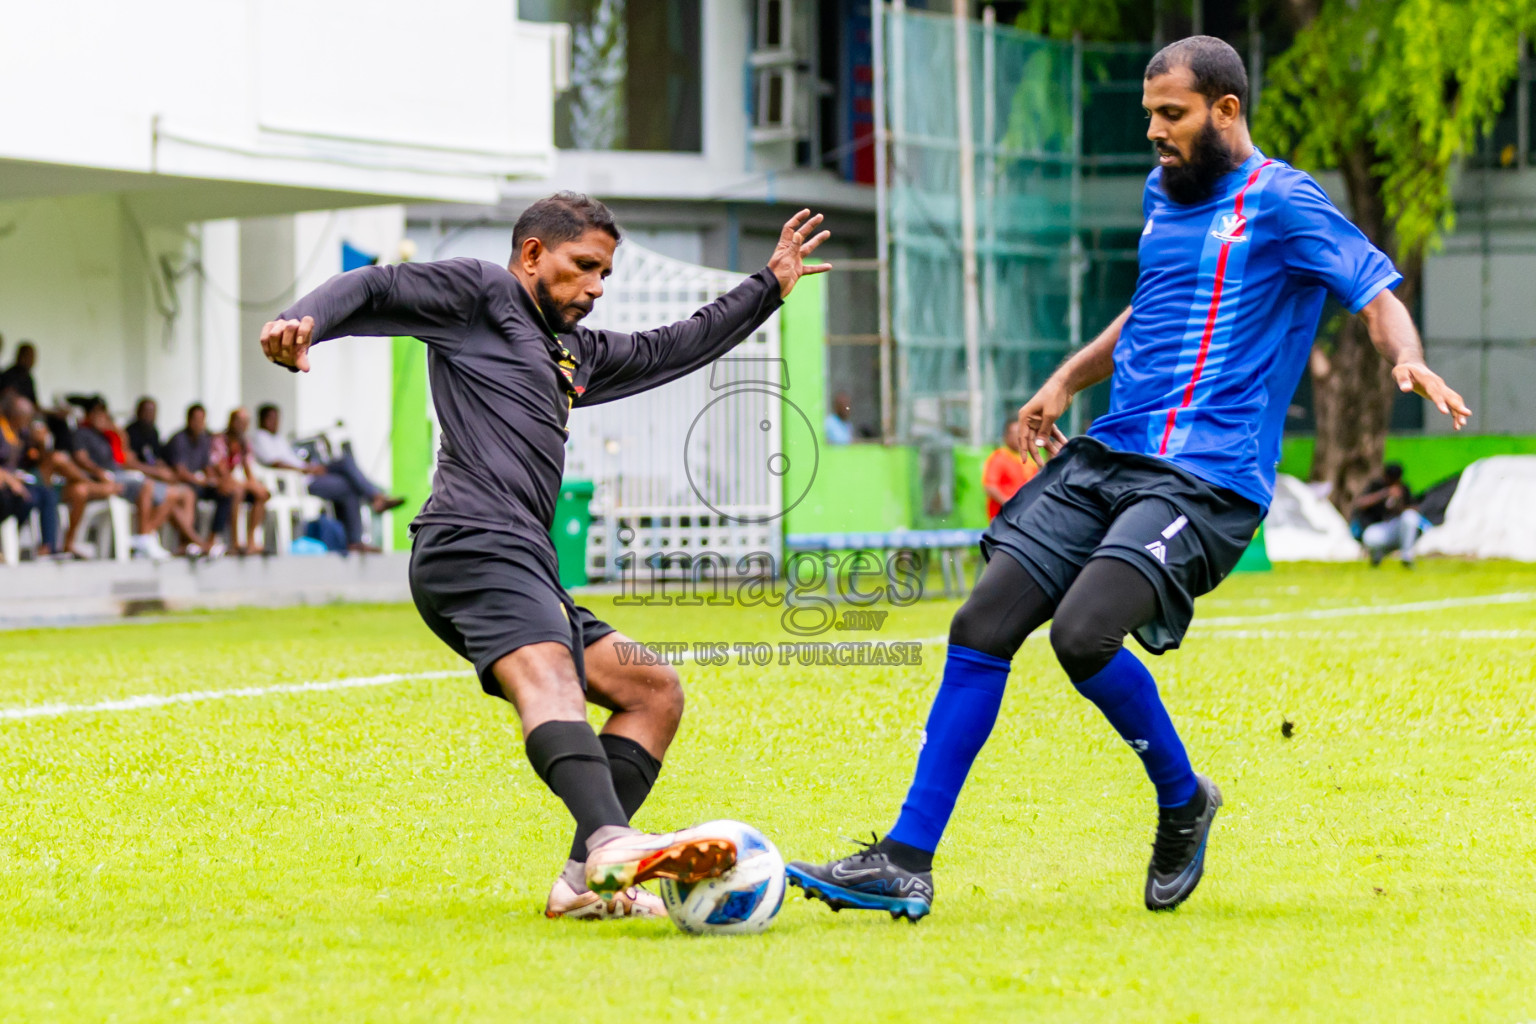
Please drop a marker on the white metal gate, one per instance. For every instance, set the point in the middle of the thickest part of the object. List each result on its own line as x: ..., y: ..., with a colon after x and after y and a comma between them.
x: 694, y: 466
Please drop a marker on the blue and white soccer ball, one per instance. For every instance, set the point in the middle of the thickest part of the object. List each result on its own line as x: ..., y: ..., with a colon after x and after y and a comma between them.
x: 744, y: 899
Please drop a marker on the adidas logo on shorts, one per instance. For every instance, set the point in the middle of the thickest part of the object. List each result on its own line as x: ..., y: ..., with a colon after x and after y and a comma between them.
x: 1158, y: 548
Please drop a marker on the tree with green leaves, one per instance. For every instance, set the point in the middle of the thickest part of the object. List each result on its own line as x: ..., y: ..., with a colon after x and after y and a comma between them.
x: 1391, y: 94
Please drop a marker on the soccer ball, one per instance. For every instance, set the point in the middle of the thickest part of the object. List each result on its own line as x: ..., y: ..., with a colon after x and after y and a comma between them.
x: 744, y: 899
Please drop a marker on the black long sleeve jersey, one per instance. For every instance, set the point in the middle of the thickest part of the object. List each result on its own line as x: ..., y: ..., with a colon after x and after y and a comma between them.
x: 504, y: 383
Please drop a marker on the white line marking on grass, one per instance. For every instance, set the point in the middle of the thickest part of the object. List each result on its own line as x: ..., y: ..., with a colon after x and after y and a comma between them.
x: 146, y: 701
x: 1374, y: 609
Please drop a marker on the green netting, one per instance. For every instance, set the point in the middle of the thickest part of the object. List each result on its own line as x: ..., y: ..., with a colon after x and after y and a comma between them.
x: 1059, y: 150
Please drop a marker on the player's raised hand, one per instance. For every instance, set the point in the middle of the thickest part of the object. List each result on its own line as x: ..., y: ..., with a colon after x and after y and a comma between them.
x: 1037, y: 422
x: 797, y: 241
x: 1426, y: 383
x: 286, y: 342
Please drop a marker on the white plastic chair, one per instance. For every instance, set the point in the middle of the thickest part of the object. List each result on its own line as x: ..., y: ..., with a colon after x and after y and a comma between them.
x: 290, y: 501
x: 10, y: 541
x: 119, y: 516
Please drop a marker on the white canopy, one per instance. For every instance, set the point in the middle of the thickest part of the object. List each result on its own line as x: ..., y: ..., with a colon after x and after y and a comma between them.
x: 1304, y: 527
x: 1492, y: 514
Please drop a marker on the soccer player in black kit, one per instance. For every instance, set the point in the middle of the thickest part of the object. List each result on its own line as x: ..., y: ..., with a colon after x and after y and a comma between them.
x: 507, y: 362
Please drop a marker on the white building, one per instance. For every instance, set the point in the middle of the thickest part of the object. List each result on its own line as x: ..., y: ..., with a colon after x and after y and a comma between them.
x: 158, y: 159
x: 704, y: 124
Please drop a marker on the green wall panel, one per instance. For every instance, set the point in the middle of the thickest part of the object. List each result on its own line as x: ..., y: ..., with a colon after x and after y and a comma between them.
x: 1426, y: 460
x: 856, y: 487
x: 410, y: 436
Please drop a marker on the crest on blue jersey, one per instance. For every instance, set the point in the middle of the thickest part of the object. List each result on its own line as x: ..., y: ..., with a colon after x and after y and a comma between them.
x: 1231, y: 228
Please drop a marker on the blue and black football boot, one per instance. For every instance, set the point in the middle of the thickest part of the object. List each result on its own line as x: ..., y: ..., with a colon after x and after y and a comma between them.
x: 1178, y: 853
x: 867, y: 880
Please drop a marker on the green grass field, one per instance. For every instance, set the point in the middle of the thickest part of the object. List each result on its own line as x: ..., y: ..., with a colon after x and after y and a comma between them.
x: 382, y: 853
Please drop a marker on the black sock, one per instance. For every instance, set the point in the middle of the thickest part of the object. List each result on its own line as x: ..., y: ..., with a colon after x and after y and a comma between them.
x: 634, y: 772
x: 570, y: 760
x: 908, y: 858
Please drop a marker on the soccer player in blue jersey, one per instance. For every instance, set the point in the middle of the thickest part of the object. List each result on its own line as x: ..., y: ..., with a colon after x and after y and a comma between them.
x: 1124, y: 528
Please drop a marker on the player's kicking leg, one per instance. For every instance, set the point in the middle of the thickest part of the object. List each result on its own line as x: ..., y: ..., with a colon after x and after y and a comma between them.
x: 1109, y: 599
x: 895, y: 874
x: 541, y: 682
x: 493, y: 598
x: 1106, y: 601
x: 647, y: 704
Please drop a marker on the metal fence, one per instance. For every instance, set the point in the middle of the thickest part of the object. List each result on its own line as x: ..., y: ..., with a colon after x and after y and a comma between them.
x: 1009, y: 210
x: 686, y: 468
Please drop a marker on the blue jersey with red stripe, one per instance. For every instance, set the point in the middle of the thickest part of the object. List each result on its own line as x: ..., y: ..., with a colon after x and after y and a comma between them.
x: 1225, y: 311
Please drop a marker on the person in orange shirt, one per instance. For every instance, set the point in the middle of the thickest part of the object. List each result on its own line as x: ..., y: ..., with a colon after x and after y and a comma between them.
x: 1006, y: 471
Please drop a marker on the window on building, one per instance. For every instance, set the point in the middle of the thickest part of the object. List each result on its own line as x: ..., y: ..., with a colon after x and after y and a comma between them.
x: 636, y: 74
x: 813, y: 86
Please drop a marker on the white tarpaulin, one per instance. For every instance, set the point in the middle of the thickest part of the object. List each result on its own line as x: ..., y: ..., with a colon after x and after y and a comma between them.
x: 1492, y: 514
x: 1303, y: 527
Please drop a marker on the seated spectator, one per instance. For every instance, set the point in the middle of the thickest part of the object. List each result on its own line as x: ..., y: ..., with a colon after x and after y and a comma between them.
x: 187, y: 454
x: 14, y: 500
x: 81, y: 489
x: 18, y: 378
x: 340, y: 481
x: 103, y: 454
x: 43, y: 458
x: 1006, y: 470
x: 143, y: 435
x: 147, y: 455
x: 23, y: 460
x: 1384, y: 517
x: 230, y: 469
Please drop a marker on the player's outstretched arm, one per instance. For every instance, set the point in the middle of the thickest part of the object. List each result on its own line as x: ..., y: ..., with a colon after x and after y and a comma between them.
x: 626, y: 364
x: 1085, y: 368
x: 431, y: 301
x: 1392, y: 332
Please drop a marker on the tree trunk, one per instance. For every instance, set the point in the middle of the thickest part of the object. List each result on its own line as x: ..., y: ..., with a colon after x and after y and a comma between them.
x: 1352, y: 389
x: 1352, y: 396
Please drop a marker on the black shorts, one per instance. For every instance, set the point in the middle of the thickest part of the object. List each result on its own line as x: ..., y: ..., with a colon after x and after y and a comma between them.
x: 486, y: 593
x: 1093, y: 502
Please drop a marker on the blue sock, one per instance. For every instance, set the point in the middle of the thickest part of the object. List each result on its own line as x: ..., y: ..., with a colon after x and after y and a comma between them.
x: 962, y: 716
x: 1125, y: 692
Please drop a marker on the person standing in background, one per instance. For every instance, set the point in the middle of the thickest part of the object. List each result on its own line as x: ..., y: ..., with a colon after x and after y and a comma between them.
x: 839, y: 427
x: 1006, y: 470
x: 18, y: 377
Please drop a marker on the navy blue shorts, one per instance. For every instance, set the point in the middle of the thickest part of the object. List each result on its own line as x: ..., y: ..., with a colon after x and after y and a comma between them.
x: 486, y: 593
x: 1091, y: 501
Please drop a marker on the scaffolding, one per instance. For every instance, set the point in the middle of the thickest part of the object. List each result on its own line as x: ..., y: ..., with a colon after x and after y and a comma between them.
x: 1009, y: 203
